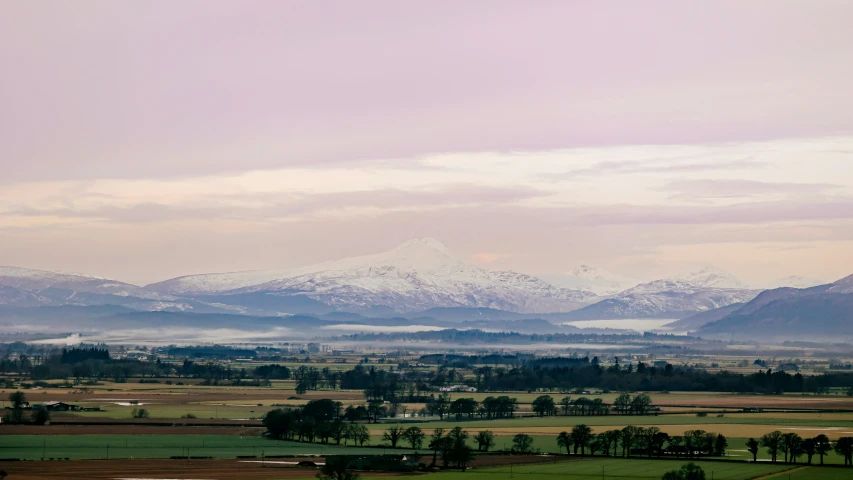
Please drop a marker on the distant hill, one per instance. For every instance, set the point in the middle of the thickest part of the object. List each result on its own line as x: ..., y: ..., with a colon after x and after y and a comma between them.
x: 693, y: 322
x: 815, y: 316
x: 825, y: 311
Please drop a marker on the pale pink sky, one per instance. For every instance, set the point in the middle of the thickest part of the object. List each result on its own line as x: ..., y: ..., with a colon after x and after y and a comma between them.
x: 143, y: 140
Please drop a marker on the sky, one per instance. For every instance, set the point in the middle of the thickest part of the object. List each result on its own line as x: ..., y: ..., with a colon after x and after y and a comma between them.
x: 146, y: 140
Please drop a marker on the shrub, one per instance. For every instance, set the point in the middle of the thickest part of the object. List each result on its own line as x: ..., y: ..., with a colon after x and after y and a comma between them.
x: 690, y: 471
x: 140, y: 413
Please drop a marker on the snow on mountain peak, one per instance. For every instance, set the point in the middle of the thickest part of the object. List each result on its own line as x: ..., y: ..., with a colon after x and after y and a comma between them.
x: 711, y: 277
x: 593, y: 279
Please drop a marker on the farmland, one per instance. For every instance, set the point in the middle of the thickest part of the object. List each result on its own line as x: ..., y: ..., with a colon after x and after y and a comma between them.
x: 190, y: 420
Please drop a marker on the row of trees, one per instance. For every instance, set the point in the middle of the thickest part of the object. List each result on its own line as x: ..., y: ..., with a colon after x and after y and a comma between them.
x: 624, y: 404
x: 651, y: 442
x: 642, y: 377
x: 491, y: 407
x: 792, y: 446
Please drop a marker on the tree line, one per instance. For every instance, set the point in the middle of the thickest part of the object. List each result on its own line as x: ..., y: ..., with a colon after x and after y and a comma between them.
x: 587, y: 373
x: 792, y: 447
x: 648, y: 442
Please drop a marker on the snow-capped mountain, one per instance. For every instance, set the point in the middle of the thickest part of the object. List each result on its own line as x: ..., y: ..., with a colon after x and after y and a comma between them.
x: 592, y: 279
x: 675, y: 297
x: 26, y: 287
x: 416, y: 275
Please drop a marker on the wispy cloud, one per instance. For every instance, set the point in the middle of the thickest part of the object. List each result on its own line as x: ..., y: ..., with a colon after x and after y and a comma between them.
x: 663, y: 166
x: 264, y: 206
x: 702, y: 189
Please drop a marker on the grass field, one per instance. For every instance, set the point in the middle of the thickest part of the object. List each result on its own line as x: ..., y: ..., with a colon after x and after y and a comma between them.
x: 615, y: 469
x: 35, y: 447
x: 814, y: 473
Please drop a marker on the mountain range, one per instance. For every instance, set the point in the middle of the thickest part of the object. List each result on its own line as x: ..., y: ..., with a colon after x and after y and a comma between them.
x: 420, y: 277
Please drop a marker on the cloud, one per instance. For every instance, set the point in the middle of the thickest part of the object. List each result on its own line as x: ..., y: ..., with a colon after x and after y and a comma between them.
x: 632, y: 167
x: 741, y: 213
x: 265, y: 206
x: 699, y: 189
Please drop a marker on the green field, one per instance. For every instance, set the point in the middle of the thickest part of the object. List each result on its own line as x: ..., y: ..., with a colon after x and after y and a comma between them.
x: 229, y: 410
x: 607, y: 420
x: 616, y: 469
x: 815, y: 473
x: 34, y: 447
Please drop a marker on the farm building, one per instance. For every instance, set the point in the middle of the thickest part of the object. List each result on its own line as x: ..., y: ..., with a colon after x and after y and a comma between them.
x: 60, y: 407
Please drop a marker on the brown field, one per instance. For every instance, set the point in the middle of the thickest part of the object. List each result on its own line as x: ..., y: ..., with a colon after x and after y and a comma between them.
x: 177, y: 469
x: 200, y: 469
x: 128, y: 430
